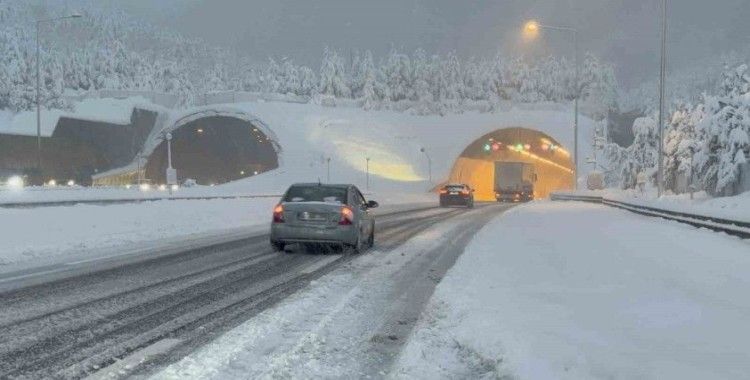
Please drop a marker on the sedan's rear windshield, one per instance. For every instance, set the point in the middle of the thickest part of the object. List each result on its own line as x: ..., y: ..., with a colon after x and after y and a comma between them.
x: 454, y: 188
x: 316, y: 194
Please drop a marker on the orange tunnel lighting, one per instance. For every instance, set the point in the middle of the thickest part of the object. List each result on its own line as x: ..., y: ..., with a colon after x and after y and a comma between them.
x: 476, y: 166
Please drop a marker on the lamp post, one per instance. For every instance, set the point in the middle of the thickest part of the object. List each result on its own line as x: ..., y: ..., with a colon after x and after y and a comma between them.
x: 368, y: 173
x: 531, y: 29
x: 662, y: 79
x: 39, y: 86
x: 328, y: 169
x: 429, y: 163
x: 171, y: 172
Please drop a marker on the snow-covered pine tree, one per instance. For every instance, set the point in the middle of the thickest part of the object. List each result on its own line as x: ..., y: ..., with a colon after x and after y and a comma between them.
x: 333, y: 78
x: 422, y: 94
x: 290, y: 82
x: 451, y: 74
x: 367, y: 77
x: 308, y: 83
x: 641, y: 156
x: 725, y: 132
x: 598, y: 87
x: 680, y: 142
x: 398, y: 76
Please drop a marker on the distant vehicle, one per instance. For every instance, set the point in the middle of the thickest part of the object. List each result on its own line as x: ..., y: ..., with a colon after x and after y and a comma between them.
x: 313, y: 213
x: 514, y: 181
x: 456, y: 194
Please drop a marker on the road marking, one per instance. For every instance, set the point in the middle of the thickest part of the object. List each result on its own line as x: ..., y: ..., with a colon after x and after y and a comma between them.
x: 122, y: 368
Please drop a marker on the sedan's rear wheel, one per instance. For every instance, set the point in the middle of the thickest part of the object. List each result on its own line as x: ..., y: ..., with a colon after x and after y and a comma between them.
x: 277, y: 246
x: 357, y: 247
x: 371, y: 240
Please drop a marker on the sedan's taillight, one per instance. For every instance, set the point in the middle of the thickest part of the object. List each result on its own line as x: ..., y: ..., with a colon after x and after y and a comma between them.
x: 278, y: 214
x: 465, y: 192
x: 347, y: 217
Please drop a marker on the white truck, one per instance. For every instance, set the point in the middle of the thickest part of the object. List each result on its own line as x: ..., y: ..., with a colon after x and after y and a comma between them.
x: 514, y: 181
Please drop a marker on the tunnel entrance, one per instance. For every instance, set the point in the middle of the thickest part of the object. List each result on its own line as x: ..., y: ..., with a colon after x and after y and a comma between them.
x: 476, y: 164
x: 214, y: 150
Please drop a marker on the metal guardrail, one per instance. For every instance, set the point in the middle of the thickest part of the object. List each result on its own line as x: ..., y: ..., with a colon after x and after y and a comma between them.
x: 105, y: 202
x: 731, y: 227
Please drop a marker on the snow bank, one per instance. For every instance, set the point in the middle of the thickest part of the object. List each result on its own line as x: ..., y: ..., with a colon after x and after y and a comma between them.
x: 41, y: 234
x: 735, y: 207
x: 579, y: 291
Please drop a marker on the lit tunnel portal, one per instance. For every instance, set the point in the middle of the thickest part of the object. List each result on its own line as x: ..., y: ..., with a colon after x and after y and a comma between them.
x: 476, y: 164
x: 214, y: 150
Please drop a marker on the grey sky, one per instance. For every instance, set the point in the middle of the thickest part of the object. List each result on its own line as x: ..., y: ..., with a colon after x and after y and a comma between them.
x: 624, y: 32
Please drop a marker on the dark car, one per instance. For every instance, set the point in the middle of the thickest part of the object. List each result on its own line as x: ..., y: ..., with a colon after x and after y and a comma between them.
x: 314, y: 213
x: 456, y: 194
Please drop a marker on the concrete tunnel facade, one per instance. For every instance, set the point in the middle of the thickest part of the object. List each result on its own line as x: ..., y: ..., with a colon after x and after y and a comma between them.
x: 475, y: 166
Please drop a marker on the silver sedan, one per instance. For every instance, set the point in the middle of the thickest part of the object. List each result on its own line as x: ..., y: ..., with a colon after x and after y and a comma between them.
x: 313, y: 213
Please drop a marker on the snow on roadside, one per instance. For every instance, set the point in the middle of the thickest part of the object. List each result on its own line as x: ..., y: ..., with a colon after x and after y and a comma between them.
x: 576, y: 291
x: 45, y: 233
x: 735, y: 207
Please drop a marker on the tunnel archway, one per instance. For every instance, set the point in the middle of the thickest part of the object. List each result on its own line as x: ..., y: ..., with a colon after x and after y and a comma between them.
x: 214, y: 148
x: 476, y: 164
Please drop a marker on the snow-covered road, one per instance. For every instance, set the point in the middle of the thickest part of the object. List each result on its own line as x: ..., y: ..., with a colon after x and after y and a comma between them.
x: 164, y: 307
x: 579, y: 291
x: 350, y: 323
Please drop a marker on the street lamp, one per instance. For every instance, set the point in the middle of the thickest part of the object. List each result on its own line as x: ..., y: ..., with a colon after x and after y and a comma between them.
x: 662, y: 79
x: 171, y: 172
x: 531, y: 29
x: 328, y: 169
x: 429, y: 163
x: 39, y: 85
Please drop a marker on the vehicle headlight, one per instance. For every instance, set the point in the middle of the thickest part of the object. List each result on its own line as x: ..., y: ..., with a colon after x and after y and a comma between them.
x: 15, y: 182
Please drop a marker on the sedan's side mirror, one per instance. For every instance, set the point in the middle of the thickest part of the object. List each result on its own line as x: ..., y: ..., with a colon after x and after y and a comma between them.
x: 372, y: 204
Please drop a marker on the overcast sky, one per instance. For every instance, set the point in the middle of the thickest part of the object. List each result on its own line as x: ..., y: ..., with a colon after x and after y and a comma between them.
x: 625, y: 32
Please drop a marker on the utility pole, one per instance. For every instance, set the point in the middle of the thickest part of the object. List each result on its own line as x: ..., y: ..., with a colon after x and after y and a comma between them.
x: 38, y: 106
x: 575, y: 122
x: 662, y: 78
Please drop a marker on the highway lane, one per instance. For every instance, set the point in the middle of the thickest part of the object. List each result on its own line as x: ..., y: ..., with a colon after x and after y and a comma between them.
x: 75, y: 326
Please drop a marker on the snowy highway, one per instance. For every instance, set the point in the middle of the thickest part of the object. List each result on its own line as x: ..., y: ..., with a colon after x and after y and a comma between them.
x: 115, y: 318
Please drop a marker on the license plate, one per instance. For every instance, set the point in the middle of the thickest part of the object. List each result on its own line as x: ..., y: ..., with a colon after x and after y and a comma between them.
x: 312, y: 216
x: 453, y: 193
